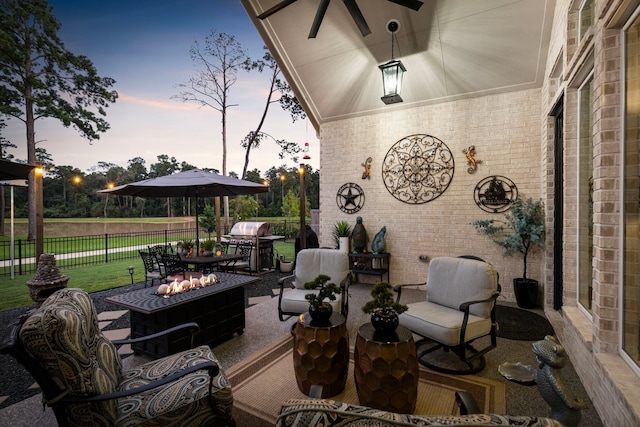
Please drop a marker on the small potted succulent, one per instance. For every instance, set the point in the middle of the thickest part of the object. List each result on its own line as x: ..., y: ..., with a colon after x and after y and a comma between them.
x: 320, y: 309
x: 341, y: 234
x: 383, y: 308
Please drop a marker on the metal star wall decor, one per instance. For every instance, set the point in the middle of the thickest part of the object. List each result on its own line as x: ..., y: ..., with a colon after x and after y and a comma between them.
x: 350, y: 198
x: 418, y: 169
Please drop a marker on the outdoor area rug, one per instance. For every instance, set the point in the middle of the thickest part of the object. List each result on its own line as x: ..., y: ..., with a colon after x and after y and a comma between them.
x: 262, y: 382
x: 521, y: 325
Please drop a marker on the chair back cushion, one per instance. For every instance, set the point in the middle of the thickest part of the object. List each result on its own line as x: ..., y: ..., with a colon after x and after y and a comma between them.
x: 310, y: 263
x: 64, y: 336
x: 452, y: 281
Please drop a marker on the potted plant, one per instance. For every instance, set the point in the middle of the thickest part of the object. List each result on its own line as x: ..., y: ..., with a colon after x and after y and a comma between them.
x: 522, y: 229
x: 209, y: 246
x: 185, y: 246
x: 383, y: 308
x: 341, y: 234
x: 320, y: 309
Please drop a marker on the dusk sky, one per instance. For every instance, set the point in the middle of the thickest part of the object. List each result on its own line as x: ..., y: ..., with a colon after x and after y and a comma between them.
x: 144, y: 45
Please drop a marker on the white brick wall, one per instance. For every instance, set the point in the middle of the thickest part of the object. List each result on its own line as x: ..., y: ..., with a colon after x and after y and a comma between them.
x: 505, y: 130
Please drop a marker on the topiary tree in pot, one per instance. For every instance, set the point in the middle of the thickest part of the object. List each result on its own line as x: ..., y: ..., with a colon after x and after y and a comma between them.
x: 521, y: 229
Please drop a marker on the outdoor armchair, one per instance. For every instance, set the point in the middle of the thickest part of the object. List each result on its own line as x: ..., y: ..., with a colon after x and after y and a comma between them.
x: 81, y: 376
x: 310, y: 263
x: 459, y: 308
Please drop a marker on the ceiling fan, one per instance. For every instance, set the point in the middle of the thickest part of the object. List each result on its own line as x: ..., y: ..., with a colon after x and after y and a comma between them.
x: 352, y: 7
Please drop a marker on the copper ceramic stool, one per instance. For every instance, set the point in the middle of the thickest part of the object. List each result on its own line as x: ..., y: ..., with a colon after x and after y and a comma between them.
x: 321, y: 354
x: 386, y: 369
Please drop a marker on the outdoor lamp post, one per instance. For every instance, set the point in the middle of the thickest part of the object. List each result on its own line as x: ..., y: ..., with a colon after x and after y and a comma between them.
x: 131, y: 273
x: 282, y: 178
x: 303, y: 230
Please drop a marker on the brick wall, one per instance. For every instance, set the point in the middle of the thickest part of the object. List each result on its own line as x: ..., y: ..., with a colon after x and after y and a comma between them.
x: 505, y: 130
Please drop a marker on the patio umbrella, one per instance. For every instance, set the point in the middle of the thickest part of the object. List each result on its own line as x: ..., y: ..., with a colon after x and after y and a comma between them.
x: 192, y: 183
x: 10, y: 170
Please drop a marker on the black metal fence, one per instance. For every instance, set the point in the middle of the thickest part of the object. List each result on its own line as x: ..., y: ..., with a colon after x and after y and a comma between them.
x: 103, y: 248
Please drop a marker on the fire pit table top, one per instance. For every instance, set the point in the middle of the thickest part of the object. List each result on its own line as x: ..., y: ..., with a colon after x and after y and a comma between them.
x: 147, y: 300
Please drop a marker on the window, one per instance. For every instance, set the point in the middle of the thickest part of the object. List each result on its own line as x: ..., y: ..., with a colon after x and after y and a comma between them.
x: 586, y: 17
x: 585, y: 193
x: 631, y: 284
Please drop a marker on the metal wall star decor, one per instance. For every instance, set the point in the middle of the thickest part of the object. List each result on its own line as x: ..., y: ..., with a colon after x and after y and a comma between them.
x: 418, y: 169
x: 350, y: 198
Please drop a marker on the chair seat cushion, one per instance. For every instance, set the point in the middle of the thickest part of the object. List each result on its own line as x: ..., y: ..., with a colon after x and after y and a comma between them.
x: 441, y: 323
x: 189, y: 396
x: 293, y: 301
x: 326, y: 412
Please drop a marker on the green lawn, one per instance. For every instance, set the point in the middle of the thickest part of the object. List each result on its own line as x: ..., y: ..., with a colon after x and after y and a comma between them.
x: 95, y: 278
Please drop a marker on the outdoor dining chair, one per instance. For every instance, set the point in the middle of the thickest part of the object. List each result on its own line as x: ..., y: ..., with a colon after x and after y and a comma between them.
x: 153, y: 270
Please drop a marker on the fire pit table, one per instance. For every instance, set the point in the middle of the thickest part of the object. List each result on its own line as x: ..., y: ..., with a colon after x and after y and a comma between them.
x: 217, y: 308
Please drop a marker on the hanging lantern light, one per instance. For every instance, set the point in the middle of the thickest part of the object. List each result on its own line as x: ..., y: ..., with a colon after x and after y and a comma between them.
x: 392, y: 71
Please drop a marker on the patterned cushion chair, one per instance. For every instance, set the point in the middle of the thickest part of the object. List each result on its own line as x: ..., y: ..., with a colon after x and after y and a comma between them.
x: 81, y: 376
x: 326, y: 412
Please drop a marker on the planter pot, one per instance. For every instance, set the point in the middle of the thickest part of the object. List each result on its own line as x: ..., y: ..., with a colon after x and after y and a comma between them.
x: 286, y: 266
x: 526, y: 291
x: 343, y: 244
x: 384, y: 321
x: 322, y: 314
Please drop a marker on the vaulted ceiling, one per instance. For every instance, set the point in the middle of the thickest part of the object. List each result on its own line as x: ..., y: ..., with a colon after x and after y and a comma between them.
x: 452, y: 49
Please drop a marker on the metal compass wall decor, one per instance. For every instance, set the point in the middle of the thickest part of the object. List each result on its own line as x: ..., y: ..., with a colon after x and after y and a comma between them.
x: 350, y: 198
x: 495, y: 193
x: 417, y: 169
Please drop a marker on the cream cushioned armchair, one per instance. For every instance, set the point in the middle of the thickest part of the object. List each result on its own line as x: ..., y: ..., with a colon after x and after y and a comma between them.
x: 309, y: 264
x: 459, y: 308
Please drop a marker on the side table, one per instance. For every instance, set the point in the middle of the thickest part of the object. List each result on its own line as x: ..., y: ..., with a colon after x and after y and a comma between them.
x: 321, y: 354
x: 386, y: 369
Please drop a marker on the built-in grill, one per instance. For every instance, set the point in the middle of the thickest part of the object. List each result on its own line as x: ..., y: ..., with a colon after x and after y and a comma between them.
x: 259, y: 235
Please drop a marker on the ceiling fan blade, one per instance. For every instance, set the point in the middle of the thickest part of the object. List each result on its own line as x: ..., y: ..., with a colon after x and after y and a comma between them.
x: 354, y: 10
x: 276, y: 8
x: 322, y: 9
x: 411, y: 4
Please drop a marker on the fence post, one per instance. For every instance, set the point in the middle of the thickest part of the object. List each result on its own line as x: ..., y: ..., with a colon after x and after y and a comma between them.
x: 20, y: 257
x: 106, y: 247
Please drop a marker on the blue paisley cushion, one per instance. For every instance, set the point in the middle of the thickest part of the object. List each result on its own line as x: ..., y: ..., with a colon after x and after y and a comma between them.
x: 64, y: 335
x: 326, y: 412
x: 185, y: 402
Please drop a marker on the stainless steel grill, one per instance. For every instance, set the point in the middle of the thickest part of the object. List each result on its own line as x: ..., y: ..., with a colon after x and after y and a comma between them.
x: 259, y: 235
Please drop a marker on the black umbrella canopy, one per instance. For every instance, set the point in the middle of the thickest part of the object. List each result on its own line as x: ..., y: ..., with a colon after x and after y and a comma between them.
x: 191, y: 183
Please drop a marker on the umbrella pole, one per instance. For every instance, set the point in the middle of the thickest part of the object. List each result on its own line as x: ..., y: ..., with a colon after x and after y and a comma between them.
x: 197, y: 226
x: 218, y: 226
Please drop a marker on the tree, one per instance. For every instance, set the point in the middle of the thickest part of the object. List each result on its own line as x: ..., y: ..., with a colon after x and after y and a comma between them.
x: 279, y: 91
x: 40, y: 78
x: 221, y: 57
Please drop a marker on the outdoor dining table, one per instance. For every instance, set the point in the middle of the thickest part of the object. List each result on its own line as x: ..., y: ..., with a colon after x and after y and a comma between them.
x: 207, y: 263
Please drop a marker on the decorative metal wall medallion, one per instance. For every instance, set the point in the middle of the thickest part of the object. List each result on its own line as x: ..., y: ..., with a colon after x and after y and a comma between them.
x: 417, y: 169
x: 495, y: 193
x: 350, y: 198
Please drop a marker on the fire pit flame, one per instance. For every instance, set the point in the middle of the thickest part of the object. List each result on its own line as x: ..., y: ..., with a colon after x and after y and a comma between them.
x: 177, y: 287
